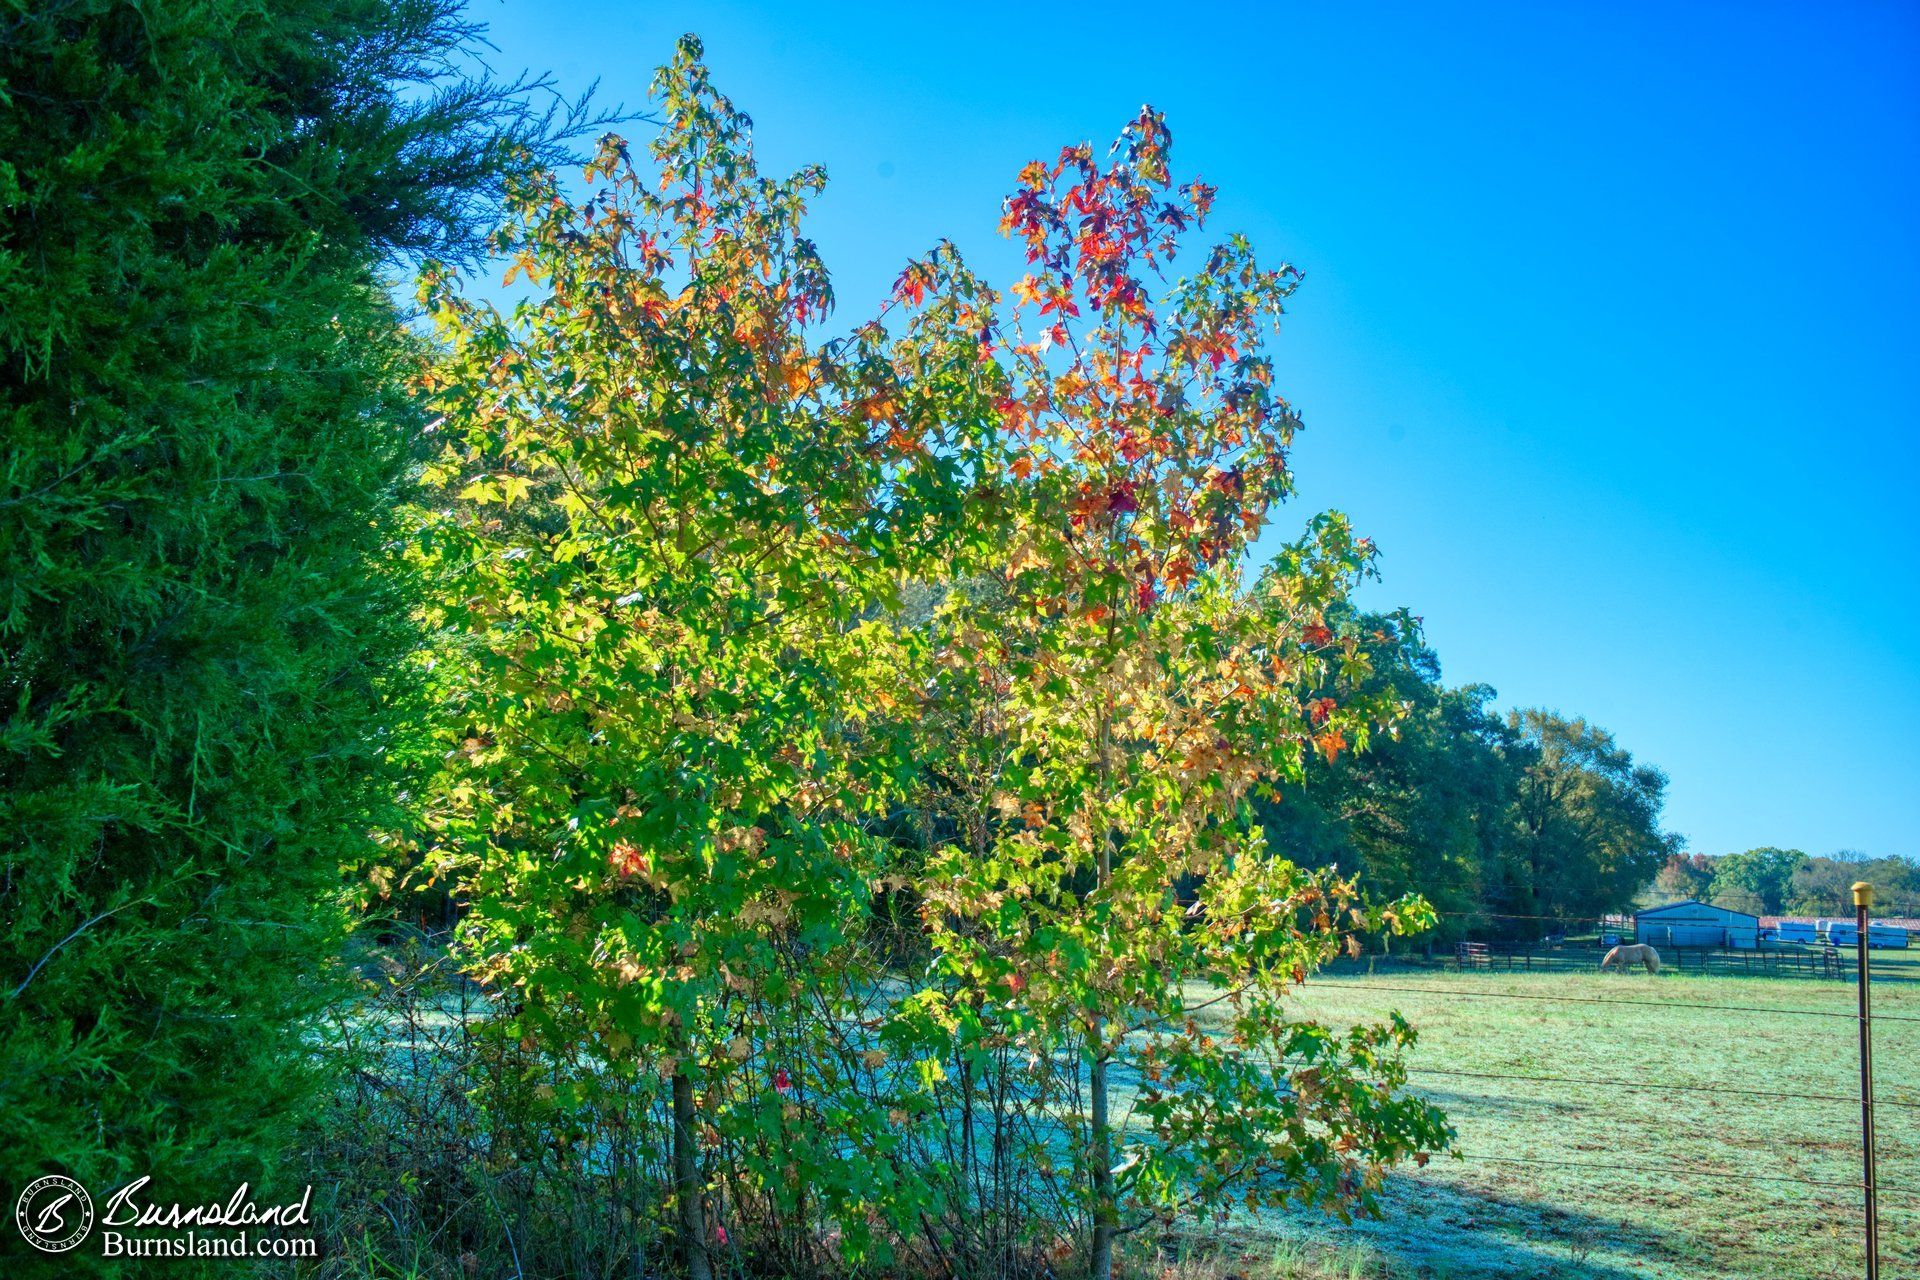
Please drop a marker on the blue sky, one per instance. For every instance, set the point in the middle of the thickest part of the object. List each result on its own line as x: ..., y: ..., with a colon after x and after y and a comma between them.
x: 1608, y: 334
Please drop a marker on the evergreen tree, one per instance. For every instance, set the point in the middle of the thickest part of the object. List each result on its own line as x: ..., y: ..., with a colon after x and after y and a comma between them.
x: 205, y: 423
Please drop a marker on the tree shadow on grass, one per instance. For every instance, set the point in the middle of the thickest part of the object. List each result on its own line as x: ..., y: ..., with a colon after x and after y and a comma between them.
x: 1437, y: 1230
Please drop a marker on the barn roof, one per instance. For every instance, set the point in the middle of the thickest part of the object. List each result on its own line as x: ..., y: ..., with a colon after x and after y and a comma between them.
x: 1694, y: 902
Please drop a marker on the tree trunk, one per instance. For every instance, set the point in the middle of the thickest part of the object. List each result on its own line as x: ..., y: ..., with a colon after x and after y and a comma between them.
x: 1106, y: 1211
x: 1106, y: 1217
x: 686, y: 1182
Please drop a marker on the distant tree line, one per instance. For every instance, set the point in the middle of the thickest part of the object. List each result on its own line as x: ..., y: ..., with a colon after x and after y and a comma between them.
x: 1512, y: 825
x: 1515, y: 825
x: 1771, y: 881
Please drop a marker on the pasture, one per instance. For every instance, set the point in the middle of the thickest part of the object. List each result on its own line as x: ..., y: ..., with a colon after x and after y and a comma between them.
x: 1708, y: 1168
x: 1576, y: 1178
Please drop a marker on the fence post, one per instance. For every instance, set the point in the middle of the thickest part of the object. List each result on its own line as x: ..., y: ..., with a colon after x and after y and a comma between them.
x: 1863, y: 899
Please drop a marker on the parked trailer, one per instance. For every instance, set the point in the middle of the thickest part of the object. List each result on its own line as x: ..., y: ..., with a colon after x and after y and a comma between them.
x: 1879, y: 936
x: 1795, y: 931
x: 1846, y: 933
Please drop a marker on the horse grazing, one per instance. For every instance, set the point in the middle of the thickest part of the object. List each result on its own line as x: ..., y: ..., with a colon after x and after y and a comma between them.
x: 1631, y: 954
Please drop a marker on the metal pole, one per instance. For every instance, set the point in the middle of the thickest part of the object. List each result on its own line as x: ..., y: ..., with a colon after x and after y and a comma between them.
x: 1862, y: 899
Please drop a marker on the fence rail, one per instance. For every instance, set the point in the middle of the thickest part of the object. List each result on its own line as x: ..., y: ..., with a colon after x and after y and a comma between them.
x: 1808, y: 962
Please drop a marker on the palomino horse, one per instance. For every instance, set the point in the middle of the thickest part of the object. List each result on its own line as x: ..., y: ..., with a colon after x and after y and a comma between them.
x: 1631, y: 954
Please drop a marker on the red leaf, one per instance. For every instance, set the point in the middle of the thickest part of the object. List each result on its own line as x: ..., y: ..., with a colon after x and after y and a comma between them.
x: 1331, y: 744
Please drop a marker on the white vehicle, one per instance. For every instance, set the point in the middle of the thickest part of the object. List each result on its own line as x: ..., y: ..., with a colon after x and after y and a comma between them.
x: 1880, y: 937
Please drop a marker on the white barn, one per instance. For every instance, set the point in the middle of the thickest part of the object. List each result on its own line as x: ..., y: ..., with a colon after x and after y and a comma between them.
x: 1696, y: 924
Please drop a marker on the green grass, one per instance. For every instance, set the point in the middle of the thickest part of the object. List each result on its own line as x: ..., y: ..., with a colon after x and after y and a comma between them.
x: 1645, y: 1209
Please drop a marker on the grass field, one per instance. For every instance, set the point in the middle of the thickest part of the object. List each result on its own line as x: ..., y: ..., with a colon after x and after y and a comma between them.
x: 1656, y: 1184
x: 1565, y: 1176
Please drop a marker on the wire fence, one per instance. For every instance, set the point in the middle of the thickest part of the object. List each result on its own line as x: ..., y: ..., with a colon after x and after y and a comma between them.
x: 1652, y: 1004
x: 1561, y: 941
x: 1683, y: 1171
x: 1584, y: 954
x: 1776, y: 1094
x: 1827, y: 1147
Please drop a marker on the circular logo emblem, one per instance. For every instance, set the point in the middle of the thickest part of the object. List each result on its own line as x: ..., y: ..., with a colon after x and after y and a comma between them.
x: 54, y: 1213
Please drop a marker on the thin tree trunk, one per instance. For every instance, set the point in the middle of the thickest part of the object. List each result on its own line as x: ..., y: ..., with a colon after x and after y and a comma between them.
x: 1106, y: 1218
x: 1106, y: 1210
x: 686, y: 1182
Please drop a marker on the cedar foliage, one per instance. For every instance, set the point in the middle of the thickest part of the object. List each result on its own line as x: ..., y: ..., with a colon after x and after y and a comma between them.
x: 205, y: 428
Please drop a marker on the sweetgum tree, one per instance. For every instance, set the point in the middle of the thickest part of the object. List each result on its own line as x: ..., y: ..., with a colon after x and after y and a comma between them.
x: 675, y: 520
x: 1106, y: 709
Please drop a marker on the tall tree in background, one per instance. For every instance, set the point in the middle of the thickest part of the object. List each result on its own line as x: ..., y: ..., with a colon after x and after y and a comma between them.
x: 1770, y: 881
x: 1684, y: 877
x: 204, y: 422
x: 1425, y: 808
x: 1507, y: 824
x: 1822, y: 886
x: 1759, y: 881
x: 1587, y: 821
